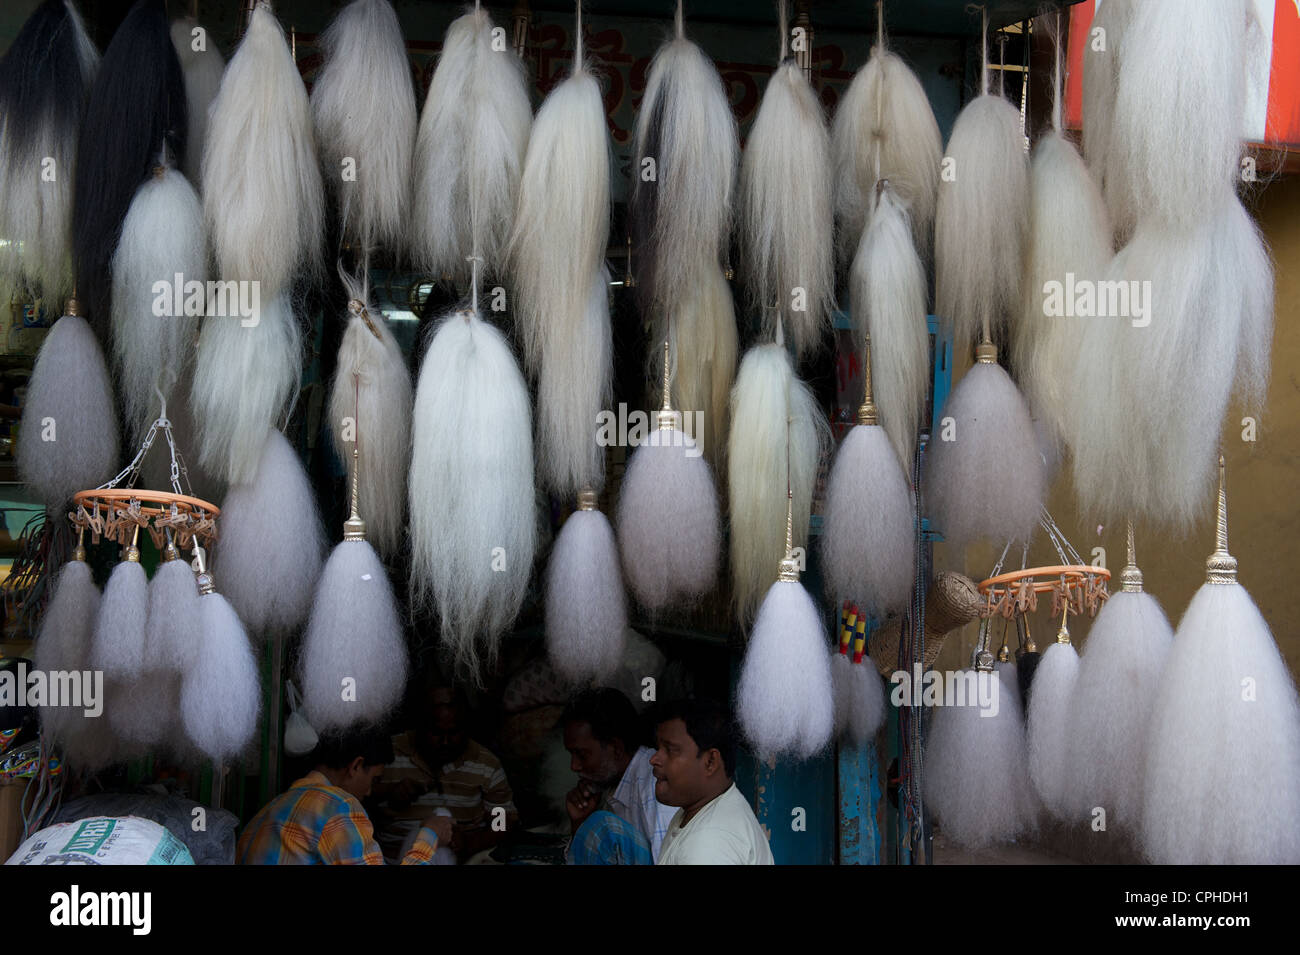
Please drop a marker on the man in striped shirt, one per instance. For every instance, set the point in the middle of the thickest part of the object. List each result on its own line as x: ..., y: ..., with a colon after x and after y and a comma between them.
x: 320, y: 821
x: 438, y: 766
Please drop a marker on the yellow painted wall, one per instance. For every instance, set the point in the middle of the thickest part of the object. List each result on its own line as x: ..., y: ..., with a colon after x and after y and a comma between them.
x: 1263, y: 482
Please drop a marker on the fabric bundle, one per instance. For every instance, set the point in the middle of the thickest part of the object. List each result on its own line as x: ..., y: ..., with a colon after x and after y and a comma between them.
x: 469, y: 153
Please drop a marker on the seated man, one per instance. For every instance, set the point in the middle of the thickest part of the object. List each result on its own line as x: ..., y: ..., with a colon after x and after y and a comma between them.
x: 613, y: 811
x: 694, y: 764
x: 320, y: 819
x: 437, y: 765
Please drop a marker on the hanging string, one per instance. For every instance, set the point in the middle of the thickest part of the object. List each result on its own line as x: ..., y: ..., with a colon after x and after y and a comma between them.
x: 984, y: 51
x: 880, y: 89
x: 677, y: 21
x: 781, y: 15
x: 474, y: 261
x: 1056, y: 75
x: 577, y: 43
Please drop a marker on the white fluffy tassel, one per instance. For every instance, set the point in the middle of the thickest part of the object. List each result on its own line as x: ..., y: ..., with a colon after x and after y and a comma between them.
x: 354, y: 634
x: 363, y: 104
x: 203, y: 69
x: 262, y: 192
x: 1050, y: 728
x: 1160, y: 376
x: 272, y: 546
x: 869, y: 537
x: 172, y: 633
x: 1223, y: 759
x: 470, y: 151
x: 683, y: 214
x: 885, y: 110
x: 575, y: 385
x: 981, y: 218
x: 786, y: 210
x: 976, y: 772
x: 1100, y: 74
x: 786, y: 699
x: 586, y: 608
x: 473, y: 525
x: 859, y: 698
x: 888, y: 291
x: 775, y: 419
x: 70, y: 401
x: 244, y: 375
x: 1110, y: 715
x: 1180, y: 93
x: 64, y: 641
x: 987, y: 479
x: 370, y: 402
x: 117, y: 646
x: 704, y: 343
x: 668, y: 524
x: 221, y: 694
x: 562, y: 222
x: 1069, y: 234
x: 162, y: 239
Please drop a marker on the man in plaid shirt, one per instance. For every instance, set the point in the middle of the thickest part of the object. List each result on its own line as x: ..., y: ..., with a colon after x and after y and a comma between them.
x: 320, y: 819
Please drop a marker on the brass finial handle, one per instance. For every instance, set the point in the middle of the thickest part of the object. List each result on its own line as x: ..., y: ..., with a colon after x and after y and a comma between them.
x: 1221, y: 567
x: 789, y: 568
x: 867, y: 412
x: 667, y: 417
x: 354, y: 528
x: 1130, y: 577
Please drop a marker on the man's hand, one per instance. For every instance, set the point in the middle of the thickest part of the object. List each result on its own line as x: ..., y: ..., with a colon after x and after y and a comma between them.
x: 443, y: 826
x: 580, y: 803
x: 404, y: 792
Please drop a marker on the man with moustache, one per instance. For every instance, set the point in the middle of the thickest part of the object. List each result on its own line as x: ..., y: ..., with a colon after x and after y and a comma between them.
x: 615, y: 817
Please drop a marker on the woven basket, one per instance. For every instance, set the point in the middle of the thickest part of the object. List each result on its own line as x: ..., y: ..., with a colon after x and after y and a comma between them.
x: 952, y: 601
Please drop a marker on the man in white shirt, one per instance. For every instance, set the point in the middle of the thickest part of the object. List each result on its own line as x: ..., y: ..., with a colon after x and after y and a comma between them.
x: 613, y: 811
x: 693, y: 765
